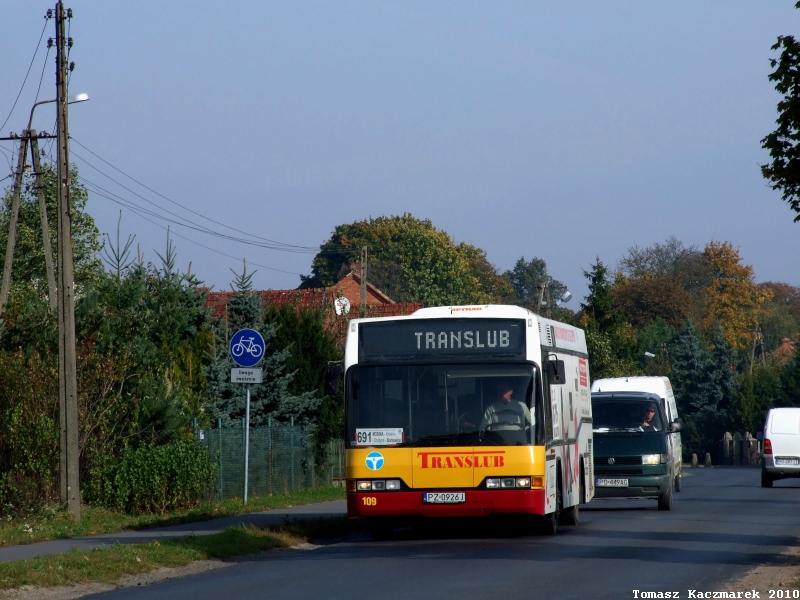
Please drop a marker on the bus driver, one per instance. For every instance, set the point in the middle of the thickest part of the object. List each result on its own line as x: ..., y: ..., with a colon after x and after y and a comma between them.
x: 505, y: 413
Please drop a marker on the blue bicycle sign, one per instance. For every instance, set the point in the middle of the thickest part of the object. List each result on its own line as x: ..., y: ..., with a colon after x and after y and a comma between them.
x: 247, y: 347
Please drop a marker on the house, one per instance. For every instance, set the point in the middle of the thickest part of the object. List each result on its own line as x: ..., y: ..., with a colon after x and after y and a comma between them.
x: 349, y: 288
x: 785, y: 351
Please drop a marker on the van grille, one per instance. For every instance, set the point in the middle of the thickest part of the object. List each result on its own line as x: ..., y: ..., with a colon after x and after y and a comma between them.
x: 602, y: 461
x: 602, y: 472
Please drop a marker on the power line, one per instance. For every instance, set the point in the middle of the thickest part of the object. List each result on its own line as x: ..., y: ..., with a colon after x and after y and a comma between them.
x: 141, y: 212
x: 22, y: 87
x: 281, y: 244
x: 41, y: 77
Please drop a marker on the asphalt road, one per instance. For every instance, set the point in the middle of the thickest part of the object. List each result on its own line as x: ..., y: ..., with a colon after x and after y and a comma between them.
x: 722, y: 524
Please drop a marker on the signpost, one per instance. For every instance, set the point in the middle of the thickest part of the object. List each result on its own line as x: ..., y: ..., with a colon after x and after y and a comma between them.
x: 247, y: 349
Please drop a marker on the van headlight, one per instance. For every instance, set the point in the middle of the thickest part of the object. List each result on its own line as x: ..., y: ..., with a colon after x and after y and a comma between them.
x: 654, y: 459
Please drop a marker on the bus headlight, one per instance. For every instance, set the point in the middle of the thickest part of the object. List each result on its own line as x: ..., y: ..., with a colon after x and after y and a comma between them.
x: 378, y: 485
x: 653, y: 459
x: 494, y: 483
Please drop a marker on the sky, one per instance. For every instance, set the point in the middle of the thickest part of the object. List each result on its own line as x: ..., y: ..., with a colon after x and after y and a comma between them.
x: 567, y: 131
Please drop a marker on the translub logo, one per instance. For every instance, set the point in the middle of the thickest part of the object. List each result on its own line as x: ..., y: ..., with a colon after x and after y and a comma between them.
x: 461, y: 460
x: 374, y: 461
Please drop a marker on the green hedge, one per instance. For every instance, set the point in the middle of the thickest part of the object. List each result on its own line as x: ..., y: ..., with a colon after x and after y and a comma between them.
x: 153, y: 479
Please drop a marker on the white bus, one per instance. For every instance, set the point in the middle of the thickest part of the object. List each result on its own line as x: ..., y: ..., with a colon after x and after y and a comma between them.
x: 467, y: 411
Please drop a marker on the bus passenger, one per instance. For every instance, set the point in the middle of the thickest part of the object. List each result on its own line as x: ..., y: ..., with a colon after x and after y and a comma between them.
x: 505, y: 413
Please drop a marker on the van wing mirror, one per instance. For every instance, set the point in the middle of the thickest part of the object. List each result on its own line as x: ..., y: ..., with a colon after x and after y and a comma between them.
x: 676, y: 425
x: 332, y: 377
x: 556, y: 373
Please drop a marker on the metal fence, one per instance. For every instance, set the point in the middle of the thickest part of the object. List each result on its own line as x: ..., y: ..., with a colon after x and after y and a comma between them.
x: 281, y: 460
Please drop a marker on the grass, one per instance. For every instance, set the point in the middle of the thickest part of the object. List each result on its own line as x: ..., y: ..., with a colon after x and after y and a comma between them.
x: 54, y: 524
x: 107, y: 565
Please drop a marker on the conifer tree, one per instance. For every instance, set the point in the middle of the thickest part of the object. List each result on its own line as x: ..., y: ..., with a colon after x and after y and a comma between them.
x: 270, y: 399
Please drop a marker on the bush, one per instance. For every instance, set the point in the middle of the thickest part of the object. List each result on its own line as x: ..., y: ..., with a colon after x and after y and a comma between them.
x: 153, y: 479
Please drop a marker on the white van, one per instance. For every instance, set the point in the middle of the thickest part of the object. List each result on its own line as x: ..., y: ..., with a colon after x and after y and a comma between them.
x: 662, y: 387
x: 780, y: 457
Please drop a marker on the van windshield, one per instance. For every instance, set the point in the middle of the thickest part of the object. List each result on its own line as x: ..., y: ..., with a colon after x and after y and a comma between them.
x: 626, y: 415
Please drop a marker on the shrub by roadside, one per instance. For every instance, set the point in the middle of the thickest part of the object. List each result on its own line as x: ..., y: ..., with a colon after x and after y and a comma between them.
x: 153, y: 479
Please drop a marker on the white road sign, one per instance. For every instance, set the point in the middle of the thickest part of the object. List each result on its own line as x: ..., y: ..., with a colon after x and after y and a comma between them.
x: 247, y: 375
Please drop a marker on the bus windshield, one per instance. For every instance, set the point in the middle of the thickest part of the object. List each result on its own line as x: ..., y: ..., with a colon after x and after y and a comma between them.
x: 443, y: 405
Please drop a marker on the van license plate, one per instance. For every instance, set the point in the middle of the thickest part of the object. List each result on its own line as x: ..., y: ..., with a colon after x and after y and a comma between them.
x: 444, y: 497
x: 612, y: 482
x: 787, y: 461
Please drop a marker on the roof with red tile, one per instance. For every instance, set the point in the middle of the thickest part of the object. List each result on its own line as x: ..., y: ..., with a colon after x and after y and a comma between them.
x: 380, y: 305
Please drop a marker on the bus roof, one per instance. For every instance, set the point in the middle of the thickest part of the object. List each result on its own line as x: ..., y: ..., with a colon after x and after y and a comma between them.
x: 552, y: 333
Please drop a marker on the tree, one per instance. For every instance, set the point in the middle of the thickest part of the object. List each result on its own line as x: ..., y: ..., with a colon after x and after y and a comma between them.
x: 311, y: 347
x: 527, y: 279
x: 732, y: 298
x: 690, y: 368
x: 648, y: 298
x: 29, y: 265
x: 410, y: 260
x: 268, y: 400
x: 753, y: 397
x: 783, y: 172
x: 670, y: 258
x: 777, y: 323
x: 598, y: 307
x: 610, y: 340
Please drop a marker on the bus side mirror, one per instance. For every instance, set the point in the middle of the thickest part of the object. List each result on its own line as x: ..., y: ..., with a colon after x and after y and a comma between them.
x: 556, y: 374
x: 332, y: 377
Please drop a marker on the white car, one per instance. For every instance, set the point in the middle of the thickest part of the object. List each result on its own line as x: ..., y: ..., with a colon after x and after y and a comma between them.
x: 780, y: 456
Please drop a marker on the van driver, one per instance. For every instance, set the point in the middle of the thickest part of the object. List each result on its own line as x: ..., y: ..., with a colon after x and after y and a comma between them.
x: 647, y: 417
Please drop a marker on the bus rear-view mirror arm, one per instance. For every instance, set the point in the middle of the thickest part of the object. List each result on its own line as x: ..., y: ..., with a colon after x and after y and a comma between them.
x: 556, y: 373
x: 332, y: 378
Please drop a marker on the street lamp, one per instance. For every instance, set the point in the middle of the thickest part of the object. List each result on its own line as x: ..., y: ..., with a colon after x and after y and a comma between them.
x: 27, y: 136
x: 71, y: 100
x: 48, y: 254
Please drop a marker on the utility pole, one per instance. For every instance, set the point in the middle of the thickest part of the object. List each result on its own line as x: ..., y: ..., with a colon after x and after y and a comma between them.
x: 67, y: 363
x: 363, y: 307
x: 544, y: 299
x: 48, y: 249
x: 12, y: 227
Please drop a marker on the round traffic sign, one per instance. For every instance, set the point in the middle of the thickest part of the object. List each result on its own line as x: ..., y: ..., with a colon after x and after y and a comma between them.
x: 247, y: 347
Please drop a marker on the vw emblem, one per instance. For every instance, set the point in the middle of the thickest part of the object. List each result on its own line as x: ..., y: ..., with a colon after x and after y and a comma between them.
x: 374, y: 461
x: 611, y: 461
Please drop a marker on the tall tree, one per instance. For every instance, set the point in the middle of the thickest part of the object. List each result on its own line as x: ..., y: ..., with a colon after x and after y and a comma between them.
x: 527, y: 278
x: 29, y: 265
x: 649, y: 298
x: 410, y: 260
x: 598, y: 307
x: 732, y: 297
x: 611, y: 341
x: 783, y: 172
x: 690, y: 379
x: 271, y: 399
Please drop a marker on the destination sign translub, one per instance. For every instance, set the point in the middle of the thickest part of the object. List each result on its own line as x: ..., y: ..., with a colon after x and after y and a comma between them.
x: 439, y: 339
